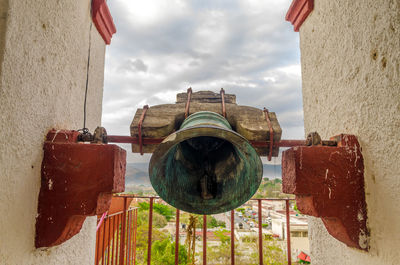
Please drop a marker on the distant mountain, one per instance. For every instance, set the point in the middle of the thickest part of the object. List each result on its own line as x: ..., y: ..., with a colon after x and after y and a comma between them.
x: 144, y: 166
x: 137, y: 173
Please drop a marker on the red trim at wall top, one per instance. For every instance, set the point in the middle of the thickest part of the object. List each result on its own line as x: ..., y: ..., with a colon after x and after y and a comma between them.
x: 103, y: 20
x: 298, y: 12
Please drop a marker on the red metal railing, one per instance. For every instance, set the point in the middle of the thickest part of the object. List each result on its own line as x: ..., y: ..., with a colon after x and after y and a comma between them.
x: 116, y: 238
x: 116, y: 235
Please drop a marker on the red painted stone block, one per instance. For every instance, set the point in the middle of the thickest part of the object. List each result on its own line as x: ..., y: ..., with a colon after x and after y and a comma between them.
x: 103, y: 20
x: 77, y: 181
x: 298, y: 12
x: 329, y: 183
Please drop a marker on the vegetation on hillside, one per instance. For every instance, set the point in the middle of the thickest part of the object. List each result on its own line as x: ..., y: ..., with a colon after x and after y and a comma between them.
x: 165, y: 210
x: 163, y: 252
x: 211, y: 221
x: 270, y: 189
x: 163, y: 247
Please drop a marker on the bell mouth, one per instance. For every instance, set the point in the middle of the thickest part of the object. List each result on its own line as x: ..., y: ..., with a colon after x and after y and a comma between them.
x: 205, y: 170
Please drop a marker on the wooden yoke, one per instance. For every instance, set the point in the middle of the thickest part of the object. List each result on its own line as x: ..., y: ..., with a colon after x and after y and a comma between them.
x: 250, y: 122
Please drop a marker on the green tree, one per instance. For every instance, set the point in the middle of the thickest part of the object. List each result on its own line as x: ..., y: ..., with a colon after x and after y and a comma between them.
x: 159, y: 221
x: 277, y: 180
x: 221, y: 235
x: 167, y: 211
x: 211, y: 222
x: 142, y: 237
x: 242, y: 210
x: 163, y: 252
x: 273, y: 253
x: 220, y: 254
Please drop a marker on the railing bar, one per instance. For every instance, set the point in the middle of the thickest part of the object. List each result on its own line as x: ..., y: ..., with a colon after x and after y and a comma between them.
x: 117, y: 213
x: 123, y: 245
x: 118, y: 240
x: 117, y: 247
x: 150, y: 231
x: 131, y: 238
x: 289, y: 251
x: 177, y: 237
x: 97, y: 247
x: 260, y: 239
x: 135, y: 235
x: 108, y: 240
x: 113, y: 239
x: 232, y: 237
x: 104, y: 241
x: 204, y: 239
x: 127, y: 232
x: 272, y: 199
x: 129, y: 226
x: 138, y: 197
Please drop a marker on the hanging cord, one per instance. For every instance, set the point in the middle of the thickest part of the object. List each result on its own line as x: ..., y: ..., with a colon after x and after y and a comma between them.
x: 222, y: 93
x: 187, y: 106
x: 84, y: 129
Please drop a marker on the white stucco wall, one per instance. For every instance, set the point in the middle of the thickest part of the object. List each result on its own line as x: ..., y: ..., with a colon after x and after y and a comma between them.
x: 42, y: 78
x: 350, y: 56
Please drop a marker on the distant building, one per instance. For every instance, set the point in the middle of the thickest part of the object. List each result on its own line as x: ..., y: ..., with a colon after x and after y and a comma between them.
x: 298, y: 231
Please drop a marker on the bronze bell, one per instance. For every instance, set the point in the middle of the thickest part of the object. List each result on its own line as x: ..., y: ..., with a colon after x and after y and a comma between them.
x: 205, y: 167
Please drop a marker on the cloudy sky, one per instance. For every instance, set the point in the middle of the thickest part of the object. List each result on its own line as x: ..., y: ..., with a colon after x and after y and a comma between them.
x: 162, y: 47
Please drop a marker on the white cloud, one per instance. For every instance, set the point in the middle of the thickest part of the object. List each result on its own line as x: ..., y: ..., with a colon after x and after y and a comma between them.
x: 163, y: 47
x: 151, y: 12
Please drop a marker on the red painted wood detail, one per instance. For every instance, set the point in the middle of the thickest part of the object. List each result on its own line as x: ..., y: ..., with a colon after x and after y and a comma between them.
x: 298, y: 12
x: 77, y: 181
x: 103, y: 20
x: 329, y: 183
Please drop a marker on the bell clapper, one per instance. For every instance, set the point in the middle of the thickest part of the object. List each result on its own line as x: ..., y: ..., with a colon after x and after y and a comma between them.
x: 205, y: 194
x: 206, y: 180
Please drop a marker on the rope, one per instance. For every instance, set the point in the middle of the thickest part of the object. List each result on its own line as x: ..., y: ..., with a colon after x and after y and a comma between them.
x: 189, y: 95
x: 223, y: 102
x: 271, y: 134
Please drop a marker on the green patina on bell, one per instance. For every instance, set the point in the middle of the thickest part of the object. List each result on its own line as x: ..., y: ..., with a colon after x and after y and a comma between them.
x: 205, y: 167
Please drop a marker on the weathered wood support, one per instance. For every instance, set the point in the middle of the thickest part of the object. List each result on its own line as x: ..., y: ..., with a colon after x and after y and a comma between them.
x: 162, y: 120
